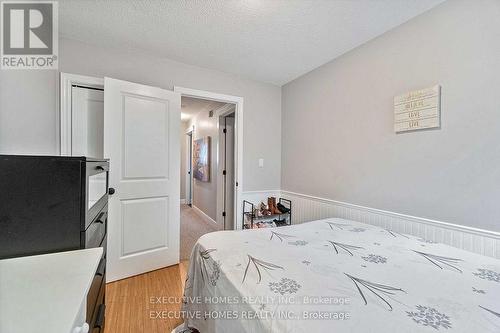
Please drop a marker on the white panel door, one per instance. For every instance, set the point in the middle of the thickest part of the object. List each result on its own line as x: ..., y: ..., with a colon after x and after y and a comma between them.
x: 141, y: 139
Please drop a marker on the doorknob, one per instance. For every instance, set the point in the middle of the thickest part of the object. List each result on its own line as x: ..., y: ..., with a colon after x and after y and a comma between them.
x: 111, y: 191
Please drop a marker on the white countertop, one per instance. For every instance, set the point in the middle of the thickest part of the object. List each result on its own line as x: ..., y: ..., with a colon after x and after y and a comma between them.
x: 44, y: 293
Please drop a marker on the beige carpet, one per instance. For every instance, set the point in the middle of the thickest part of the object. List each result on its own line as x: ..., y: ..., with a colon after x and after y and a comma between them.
x: 193, y: 226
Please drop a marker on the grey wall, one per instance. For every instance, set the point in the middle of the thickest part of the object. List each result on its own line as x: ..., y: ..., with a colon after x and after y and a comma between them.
x: 29, y: 111
x: 28, y: 117
x: 337, y: 121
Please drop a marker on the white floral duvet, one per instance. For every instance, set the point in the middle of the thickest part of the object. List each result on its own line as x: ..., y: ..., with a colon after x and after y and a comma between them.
x: 337, y: 275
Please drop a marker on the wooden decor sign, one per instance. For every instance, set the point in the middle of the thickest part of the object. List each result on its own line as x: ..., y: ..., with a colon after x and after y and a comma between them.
x: 419, y: 109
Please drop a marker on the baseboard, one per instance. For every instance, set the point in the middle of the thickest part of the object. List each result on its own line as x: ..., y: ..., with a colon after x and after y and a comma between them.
x: 309, y: 208
x: 203, y: 215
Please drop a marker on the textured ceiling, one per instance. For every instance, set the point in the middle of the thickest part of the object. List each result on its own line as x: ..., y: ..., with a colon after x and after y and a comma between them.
x: 273, y: 41
x: 191, y: 106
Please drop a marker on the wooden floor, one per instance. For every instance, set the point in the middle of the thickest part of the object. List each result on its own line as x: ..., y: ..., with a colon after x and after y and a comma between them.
x: 131, y: 304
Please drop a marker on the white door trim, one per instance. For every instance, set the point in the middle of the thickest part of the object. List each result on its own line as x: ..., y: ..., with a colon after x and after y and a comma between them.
x: 187, y: 92
x: 67, y: 80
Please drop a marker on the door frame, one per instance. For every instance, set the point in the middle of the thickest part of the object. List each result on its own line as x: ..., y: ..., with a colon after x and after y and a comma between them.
x: 238, y: 154
x: 67, y: 81
x: 221, y: 112
x: 189, y: 163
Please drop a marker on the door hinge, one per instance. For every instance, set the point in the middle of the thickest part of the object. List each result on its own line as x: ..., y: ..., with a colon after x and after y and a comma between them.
x: 223, y: 172
x: 224, y: 131
x: 224, y: 214
x: 237, y: 184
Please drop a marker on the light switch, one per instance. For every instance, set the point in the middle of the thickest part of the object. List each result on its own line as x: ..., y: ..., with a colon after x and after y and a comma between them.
x: 261, y: 162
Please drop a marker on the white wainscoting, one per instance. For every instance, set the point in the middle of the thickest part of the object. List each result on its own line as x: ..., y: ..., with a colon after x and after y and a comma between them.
x: 310, y: 208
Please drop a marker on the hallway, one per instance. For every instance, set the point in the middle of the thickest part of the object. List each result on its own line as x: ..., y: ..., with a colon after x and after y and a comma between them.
x: 193, y: 226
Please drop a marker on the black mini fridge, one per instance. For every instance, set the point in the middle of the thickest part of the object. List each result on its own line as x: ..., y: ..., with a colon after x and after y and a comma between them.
x: 52, y: 204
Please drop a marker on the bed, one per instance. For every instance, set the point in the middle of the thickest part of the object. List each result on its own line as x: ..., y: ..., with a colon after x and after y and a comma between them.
x: 336, y: 275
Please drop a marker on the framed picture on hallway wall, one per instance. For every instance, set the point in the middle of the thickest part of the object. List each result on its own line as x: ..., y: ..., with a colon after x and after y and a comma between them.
x: 201, y: 159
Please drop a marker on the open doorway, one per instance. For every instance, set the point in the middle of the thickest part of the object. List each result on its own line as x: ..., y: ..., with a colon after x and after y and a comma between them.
x: 209, y: 168
x: 206, y: 168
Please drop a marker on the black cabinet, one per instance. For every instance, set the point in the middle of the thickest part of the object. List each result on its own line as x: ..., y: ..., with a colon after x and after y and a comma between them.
x: 52, y: 204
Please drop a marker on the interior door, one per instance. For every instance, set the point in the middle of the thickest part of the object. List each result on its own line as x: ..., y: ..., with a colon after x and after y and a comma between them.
x: 142, y: 141
x: 229, y: 177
